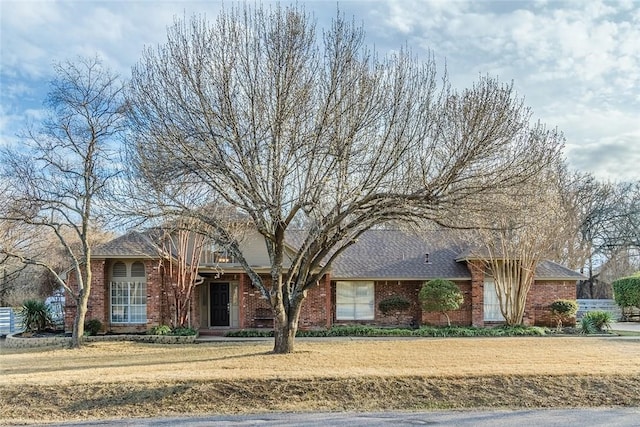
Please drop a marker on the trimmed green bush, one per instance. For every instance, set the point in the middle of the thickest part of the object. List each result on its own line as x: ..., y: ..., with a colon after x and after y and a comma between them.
x: 36, y: 316
x: 563, y: 310
x: 160, y: 330
x: 626, y: 292
x: 184, y: 331
x: 595, y: 322
x: 441, y: 295
x: 92, y: 327
x: 425, y: 331
x: 394, y: 303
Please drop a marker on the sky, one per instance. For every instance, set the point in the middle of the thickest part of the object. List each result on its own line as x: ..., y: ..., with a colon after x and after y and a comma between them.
x: 576, y: 63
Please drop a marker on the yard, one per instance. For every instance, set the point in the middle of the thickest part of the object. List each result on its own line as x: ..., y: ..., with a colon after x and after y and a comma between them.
x: 111, y: 380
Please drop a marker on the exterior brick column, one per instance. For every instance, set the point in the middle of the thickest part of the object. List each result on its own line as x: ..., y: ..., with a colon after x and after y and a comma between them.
x: 154, y: 292
x: 327, y: 298
x: 477, y: 293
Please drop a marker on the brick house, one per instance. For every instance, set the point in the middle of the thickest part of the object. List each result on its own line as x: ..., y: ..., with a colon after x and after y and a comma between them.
x: 130, y: 293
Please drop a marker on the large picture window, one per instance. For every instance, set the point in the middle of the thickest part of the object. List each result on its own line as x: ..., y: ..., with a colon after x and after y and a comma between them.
x: 355, y: 301
x: 128, y: 293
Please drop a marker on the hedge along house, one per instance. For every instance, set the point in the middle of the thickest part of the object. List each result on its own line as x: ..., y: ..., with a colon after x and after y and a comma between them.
x: 131, y: 289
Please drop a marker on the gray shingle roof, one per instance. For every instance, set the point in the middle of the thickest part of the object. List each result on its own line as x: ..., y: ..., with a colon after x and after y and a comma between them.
x: 378, y: 254
x: 551, y: 270
x: 396, y: 254
x: 132, y: 244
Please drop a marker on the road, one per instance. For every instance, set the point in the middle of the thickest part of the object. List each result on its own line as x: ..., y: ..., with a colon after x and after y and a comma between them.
x: 592, y: 417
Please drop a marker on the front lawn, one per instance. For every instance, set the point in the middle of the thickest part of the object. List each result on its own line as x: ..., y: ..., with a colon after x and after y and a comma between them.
x: 126, y: 379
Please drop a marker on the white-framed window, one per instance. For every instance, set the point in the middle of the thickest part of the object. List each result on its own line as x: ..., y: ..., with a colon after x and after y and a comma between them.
x: 128, y: 293
x: 491, y: 306
x: 355, y: 301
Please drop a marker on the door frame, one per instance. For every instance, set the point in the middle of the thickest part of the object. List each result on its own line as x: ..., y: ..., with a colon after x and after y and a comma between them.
x: 205, y: 307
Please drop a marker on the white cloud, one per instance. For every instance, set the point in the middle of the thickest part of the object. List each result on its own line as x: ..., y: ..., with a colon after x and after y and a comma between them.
x: 575, y: 61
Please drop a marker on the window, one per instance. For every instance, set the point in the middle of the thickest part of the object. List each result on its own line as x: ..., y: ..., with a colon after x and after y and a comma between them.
x: 213, y: 254
x: 492, y: 311
x: 128, y: 293
x: 355, y: 301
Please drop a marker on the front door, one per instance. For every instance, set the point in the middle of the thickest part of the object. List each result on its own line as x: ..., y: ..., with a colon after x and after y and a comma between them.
x: 219, y: 304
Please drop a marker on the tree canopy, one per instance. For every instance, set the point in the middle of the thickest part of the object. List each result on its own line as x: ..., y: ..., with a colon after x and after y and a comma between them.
x: 291, y: 126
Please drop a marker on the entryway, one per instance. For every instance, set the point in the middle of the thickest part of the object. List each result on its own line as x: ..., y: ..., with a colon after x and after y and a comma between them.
x: 219, y: 304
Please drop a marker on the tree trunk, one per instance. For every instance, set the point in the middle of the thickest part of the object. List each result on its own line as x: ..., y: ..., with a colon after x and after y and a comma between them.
x: 285, y: 327
x: 77, y: 336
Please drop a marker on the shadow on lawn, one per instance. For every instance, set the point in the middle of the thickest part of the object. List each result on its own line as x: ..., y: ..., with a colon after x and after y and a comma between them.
x: 138, y: 396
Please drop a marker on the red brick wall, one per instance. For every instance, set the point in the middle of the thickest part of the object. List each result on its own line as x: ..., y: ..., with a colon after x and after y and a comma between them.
x: 477, y: 292
x: 314, y: 313
x: 408, y: 290
x: 98, y: 305
x: 460, y: 317
x: 252, y: 302
x: 541, y: 295
x: 414, y: 315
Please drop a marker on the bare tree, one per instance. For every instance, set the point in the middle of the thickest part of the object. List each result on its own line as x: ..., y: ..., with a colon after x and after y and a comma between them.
x: 605, y: 224
x: 59, y: 174
x: 181, y: 247
x: 289, y: 128
x: 526, y: 226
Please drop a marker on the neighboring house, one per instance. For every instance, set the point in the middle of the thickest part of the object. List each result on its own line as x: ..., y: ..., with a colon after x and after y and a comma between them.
x: 130, y: 290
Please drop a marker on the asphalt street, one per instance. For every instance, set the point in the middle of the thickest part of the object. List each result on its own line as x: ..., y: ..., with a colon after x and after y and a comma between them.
x: 605, y: 417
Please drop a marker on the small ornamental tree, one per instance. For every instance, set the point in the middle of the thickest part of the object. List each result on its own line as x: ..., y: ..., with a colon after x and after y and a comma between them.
x: 394, y: 304
x: 441, y: 295
x: 563, y: 310
x: 626, y: 292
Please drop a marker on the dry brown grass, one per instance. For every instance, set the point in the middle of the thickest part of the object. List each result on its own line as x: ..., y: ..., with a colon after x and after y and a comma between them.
x: 132, y: 379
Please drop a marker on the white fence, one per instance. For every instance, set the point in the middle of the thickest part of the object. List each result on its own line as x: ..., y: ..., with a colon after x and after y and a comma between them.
x: 10, y: 321
x: 585, y: 305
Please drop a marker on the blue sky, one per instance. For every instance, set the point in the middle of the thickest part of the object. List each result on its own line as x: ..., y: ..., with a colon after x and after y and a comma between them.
x: 577, y: 63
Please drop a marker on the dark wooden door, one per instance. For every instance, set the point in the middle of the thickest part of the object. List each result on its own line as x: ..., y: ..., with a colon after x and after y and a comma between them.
x: 219, y: 304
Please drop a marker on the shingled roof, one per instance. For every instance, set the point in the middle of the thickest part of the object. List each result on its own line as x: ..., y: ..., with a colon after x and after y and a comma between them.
x: 133, y: 244
x: 387, y: 254
x: 400, y: 255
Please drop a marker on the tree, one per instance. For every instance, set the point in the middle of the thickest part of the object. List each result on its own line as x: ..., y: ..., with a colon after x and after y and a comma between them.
x: 180, y: 248
x: 58, y: 176
x: 263, y: 116
x: 563, y: 310
x: 526, y: 226
x: 605, y: 225
x: 442, y: 296
x: 627, y: 293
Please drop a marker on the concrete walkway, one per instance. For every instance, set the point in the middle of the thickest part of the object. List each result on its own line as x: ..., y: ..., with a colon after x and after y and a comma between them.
x: 626, y: 326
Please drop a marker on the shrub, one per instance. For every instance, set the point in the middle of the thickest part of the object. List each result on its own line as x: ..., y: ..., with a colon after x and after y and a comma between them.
x: 36, y: 316
x: 184, y: 331
x: 160, y: 330
x: 563, y: 309
x: 441, y: 295
x: 425, y: 331
x: 92, y: 327
x: 594, y: 322
x: 626, y: 292
x: 394, y: 303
